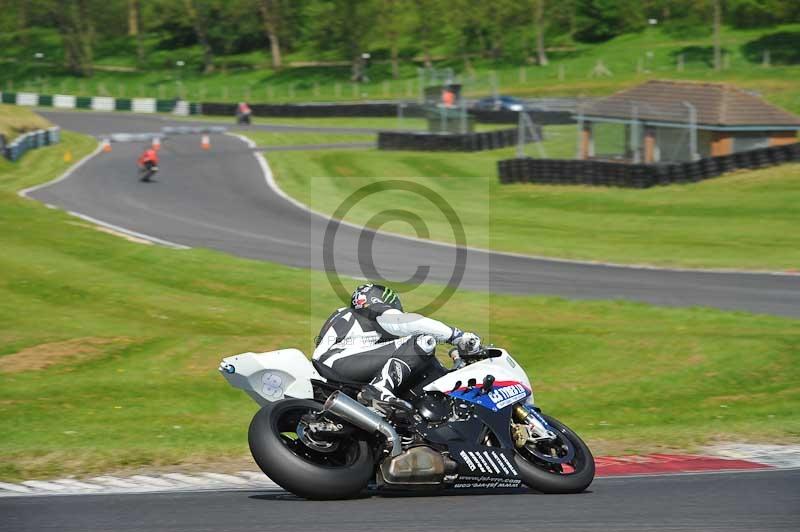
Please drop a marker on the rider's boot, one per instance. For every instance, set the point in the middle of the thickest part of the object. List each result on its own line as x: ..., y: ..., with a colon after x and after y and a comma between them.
x: 381, y: 391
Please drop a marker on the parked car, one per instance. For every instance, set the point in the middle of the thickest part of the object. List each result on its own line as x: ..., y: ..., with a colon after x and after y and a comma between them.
x: 500, y: 103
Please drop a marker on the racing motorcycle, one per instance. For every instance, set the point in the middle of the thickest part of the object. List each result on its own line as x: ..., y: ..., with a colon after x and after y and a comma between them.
x: 472, y: 427
x: 147, y: 172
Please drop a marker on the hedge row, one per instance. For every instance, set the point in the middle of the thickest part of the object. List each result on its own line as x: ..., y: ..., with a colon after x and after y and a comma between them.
x: 487, y: 140
x: 611, y: 174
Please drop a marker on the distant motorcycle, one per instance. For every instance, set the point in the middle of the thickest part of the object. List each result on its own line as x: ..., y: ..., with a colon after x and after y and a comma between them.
x: 472, y: 427
x: 147, y: 171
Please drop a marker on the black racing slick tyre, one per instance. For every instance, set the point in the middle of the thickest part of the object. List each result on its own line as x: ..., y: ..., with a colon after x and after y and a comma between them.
x: 570, y: 477
x: 302, y: 470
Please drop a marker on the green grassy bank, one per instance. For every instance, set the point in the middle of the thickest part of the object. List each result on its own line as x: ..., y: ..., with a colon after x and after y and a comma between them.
x: 15, y: 121
x: 109, y: 349
x: 746, y: 219
x: 630, y: 59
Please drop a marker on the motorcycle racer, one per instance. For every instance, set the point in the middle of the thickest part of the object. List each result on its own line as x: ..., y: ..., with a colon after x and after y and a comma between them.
x: 148, y: 164
x: 375, y: 339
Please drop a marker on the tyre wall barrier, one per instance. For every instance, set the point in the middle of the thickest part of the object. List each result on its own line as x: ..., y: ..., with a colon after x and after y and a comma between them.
x: 617, y: 174
x: 165, y: 106
x: 143, y: 105
x: 98, y: 103
x: 545, y: 118
x: 102, y: 103
x: 64, y: 101
x: 27, y: 98
x: 30, y: 141
x: 83, y: 102
x: 381, y: 109
x: 486, y: 140
x: 321, y: 110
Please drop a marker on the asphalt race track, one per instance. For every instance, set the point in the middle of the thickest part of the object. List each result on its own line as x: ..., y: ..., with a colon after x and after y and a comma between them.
x: 220, y: 199
x: 762, y: 501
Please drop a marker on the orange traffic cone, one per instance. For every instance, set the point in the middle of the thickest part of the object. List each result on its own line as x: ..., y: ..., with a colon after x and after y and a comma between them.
x: 205, y: 142
x: 106, y: 145
x: 156, y: 143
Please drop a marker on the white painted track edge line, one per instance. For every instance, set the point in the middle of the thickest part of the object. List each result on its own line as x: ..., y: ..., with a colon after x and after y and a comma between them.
x: 25, y: 194
x: 276, y: 488
x: 129, y: 232
x: 148, y: 491
x: 273, y: 184
x: 769, y: 469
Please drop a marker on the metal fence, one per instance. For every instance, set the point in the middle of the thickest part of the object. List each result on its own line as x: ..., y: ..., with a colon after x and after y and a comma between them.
x: 618, y: 131
x: 612, y: 174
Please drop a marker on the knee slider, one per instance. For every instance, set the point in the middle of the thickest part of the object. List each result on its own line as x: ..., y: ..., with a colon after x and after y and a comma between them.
x: 426, y: 343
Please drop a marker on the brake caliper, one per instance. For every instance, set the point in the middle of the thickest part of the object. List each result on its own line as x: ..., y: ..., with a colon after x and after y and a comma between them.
x: 520, y: 434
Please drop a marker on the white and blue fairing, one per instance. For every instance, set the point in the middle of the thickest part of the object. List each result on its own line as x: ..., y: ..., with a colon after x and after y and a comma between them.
x: 511, y: 384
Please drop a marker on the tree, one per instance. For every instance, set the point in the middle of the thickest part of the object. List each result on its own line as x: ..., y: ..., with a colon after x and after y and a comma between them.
x: 271, y: 16
x: 197, y: 13
x: 600, y: 20
x: 390, y: 18
x: 342, y: 26
x: 22, y: 19
x: 498, y: 17
x: 717, y: 23
x: 465, y: 26
x: 133, y: 17
x: 424, y: 28
x: 539, y: 25
x: 74, y: 19
x: 135, y: 27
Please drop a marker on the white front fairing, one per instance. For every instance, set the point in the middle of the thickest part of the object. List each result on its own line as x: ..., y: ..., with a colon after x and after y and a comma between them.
x: 505, y: 370
x: 271, y: 376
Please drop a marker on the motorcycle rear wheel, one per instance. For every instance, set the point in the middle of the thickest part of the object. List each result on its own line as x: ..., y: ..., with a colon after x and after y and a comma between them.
x: 556, y: 478
x: 300, y: 469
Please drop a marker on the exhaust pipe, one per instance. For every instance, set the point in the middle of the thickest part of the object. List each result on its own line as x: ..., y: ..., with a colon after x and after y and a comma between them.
x: 362, y: 417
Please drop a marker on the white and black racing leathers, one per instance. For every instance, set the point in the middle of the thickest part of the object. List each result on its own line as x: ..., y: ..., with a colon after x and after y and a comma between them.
x: 379, y: 344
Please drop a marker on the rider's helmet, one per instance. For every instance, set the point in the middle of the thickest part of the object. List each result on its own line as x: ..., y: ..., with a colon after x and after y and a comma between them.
x: 370, y: 294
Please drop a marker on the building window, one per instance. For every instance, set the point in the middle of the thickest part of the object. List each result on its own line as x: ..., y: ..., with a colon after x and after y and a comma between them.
x: 745, y: 142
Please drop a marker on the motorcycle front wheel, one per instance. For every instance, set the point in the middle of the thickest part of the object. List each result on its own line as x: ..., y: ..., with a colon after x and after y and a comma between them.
x: 340, y: 471
x: 565, y: 465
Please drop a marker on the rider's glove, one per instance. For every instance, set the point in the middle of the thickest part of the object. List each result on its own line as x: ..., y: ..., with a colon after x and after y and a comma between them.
x: 458, y: 362
x: 468, y: 343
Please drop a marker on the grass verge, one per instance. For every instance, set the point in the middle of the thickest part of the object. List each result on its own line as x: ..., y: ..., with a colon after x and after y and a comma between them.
x: 746, y: 219
x: 290, y: 138
x: 109, y: 350
x: 14, y: 121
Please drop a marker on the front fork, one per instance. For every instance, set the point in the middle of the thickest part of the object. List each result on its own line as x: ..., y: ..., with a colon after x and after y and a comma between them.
x: 537, y: 427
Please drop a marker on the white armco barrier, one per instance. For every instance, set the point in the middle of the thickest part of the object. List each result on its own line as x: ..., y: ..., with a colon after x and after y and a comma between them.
x: 102, y: 103
x: 64, y: 101
x: 143, y: 105
x: 27, y: 98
